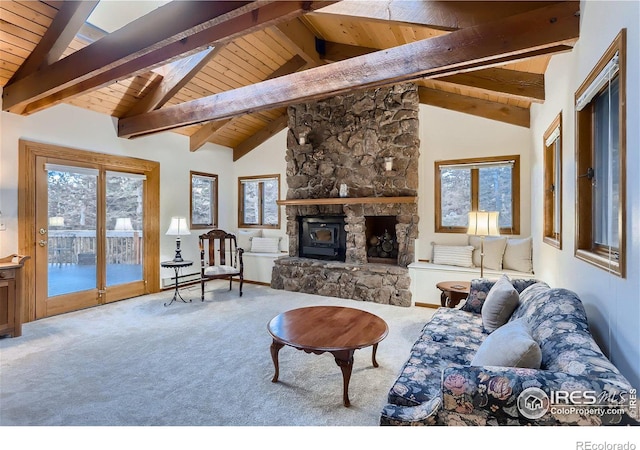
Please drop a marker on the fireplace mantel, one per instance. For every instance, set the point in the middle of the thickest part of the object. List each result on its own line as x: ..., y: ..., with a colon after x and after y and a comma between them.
x: 345, y: 201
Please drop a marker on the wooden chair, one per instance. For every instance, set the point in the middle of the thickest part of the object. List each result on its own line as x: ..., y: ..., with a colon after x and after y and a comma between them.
x: 219, y: 245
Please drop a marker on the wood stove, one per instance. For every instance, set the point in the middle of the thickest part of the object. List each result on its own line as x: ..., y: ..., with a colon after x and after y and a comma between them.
x: 322, y: 237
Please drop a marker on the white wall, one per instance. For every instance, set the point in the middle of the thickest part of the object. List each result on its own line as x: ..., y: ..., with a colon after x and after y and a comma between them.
x: 73, y: 127
x: 612, y: 303
x: 266, y: 159
x: 447, y: 135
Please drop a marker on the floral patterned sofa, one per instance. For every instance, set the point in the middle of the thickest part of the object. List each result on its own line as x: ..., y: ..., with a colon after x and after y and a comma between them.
x: 438, y: 386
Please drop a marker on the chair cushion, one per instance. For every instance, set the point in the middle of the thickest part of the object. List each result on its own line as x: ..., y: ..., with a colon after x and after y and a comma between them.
x: 220, y: 270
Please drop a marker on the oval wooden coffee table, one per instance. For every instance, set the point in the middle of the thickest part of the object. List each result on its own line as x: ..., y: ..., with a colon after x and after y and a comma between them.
x: 334, y: 329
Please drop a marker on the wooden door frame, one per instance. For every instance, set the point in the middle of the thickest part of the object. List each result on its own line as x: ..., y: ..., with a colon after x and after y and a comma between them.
x: 28, y: 151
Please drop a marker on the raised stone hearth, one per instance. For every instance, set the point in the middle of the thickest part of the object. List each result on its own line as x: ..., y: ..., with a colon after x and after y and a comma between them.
x: 345, y: 140
x: 378, y: 283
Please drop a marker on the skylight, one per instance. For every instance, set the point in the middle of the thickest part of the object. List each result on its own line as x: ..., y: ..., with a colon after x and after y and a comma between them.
x: 111, y: 15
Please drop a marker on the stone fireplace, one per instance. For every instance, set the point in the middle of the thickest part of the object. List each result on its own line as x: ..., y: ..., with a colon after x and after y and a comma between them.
x: 367, y: 141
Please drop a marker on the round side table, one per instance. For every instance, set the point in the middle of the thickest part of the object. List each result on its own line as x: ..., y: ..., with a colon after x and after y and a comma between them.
x: 453, y: 292
x: 176, y: 265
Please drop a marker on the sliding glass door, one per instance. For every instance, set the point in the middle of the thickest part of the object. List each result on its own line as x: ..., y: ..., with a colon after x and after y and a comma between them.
x: 89, y: 236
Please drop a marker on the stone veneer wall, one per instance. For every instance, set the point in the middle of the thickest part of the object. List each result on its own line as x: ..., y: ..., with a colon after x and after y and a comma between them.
x: 347, y: 138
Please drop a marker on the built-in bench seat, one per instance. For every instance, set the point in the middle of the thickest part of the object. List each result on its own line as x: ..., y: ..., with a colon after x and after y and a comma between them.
x: 510, y: 256
x: 425, y: 276
x: 258, y: 266
x: 259, y: 255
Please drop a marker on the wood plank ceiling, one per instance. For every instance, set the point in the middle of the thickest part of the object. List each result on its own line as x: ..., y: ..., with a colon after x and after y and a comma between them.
x: 482, y: 58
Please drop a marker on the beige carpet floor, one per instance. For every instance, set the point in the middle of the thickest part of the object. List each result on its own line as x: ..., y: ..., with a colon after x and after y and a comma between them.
x: 139, y: 363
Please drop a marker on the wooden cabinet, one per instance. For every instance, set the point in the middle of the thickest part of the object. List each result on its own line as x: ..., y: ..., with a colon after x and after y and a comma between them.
x: 10, y: 295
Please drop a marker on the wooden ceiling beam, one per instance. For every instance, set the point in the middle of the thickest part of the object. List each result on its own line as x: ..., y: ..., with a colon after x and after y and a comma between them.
x: 503, y: 82
x: 548, y: 29
x: 501, y: 112
x: 178, y: 74
x: 65, y: 25
x: 298, y: 37
x: 204, y: 133
x: 172, y: 31
x: 202, y: 136
x: 441, y: 15
x: 334, y: 51
x: 274, y: 127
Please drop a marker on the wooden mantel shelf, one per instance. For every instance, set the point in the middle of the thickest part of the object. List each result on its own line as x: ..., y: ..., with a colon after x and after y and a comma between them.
x: 344, y: 200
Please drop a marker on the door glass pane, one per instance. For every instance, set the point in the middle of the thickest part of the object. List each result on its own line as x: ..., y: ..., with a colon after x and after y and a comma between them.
x: 72, y: 199
x: 455, y: 197
x: 124, y: 228
x: 495, y: 193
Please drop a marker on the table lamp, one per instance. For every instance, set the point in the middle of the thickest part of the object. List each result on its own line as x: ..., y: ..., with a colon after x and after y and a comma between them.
x: 483, y: 223
x: 179, y: 227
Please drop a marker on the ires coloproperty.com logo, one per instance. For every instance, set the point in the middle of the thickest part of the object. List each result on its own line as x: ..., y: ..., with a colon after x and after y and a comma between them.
x: 533, y: 403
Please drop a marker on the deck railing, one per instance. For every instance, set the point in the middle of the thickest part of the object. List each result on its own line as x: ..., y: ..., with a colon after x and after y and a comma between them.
x: 80, y: 247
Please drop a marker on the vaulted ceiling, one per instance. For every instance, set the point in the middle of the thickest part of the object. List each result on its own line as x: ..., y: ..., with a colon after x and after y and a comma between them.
x: 224, y: 72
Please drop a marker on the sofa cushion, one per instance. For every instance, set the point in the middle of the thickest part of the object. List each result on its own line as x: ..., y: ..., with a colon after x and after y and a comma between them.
x: 451, y: 337
x: 493, y: 251
x: 511, y: 345
x: 453, y: 255
x: 481, y: 287
x: 501, y: 301
x: 517, y: 255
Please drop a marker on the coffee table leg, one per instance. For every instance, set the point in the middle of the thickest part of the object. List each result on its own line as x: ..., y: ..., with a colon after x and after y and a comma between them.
x: 275, y: 348
x: 344, y: 359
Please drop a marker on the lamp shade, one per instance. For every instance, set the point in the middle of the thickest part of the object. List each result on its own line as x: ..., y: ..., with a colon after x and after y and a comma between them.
x: 484, y: 223
x: 123, y: 224
x: 178, y: 227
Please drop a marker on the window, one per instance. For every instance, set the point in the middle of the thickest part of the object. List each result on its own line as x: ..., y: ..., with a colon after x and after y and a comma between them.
x: 257, y: 201
x: 480, y: 184
x: 600, y: 156
x: 204, y: 200
x: 552, y: 154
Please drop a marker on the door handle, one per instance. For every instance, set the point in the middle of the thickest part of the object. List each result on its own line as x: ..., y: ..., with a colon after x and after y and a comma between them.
x: 42, y: 243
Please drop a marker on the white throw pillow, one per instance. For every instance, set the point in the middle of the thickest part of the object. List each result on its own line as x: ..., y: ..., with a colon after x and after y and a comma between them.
x: 517, y: 255
x: 265, y: 245
x: 244, y: 237
x: 511, y: 345
x: 453, y: 255
x: 497, y: 308
x: 493, y: 251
